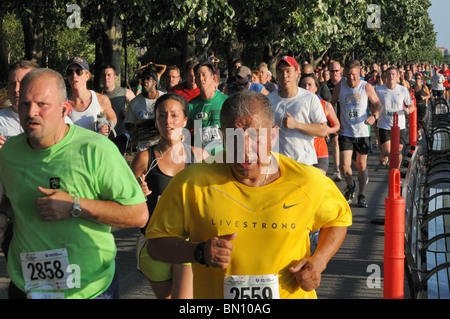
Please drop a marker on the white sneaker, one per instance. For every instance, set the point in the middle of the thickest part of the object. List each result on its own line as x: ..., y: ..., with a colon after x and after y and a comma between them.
x: 337, y: 177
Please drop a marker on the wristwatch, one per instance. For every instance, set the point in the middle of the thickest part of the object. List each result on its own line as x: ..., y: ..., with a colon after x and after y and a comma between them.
x: 376, y: 117
x: 76, y: 209
x: 199, y: 254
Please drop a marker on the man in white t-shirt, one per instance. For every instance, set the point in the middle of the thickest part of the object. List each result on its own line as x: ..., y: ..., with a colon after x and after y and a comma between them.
x: 437, y: 84
x: 140, y: 115
x: 10, y: 126
x: 298, y: 113
x: 9, y: 118
x: 393, y: 98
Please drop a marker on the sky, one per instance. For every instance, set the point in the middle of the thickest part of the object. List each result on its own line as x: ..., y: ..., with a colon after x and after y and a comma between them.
x: 439, y: 17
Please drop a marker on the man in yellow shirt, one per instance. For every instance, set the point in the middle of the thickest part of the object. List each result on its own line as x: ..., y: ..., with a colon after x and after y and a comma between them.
x: 248, y: 213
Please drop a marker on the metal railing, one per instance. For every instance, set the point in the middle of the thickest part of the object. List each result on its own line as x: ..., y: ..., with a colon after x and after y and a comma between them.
x: 427, y: 212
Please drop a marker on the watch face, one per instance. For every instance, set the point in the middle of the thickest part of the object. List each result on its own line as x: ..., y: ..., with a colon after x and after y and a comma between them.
x: 76, y: 212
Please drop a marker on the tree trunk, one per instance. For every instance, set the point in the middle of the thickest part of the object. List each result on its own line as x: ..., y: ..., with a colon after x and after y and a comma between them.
x: 111, y: 47
x: 188, y: 48
x: 33, y: 31
x: 271, y: 59
x: 315, y: 61
x: 3, y: 54
x: 233, y: 52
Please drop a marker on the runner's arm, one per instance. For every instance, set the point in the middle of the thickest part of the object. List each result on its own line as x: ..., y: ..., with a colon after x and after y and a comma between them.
x: 317, y: 130
x: 130, y: 95
x: 335, y: 96
x: 105, y: 105
x: 334, y: 121
x: 57, y: 205
x: 374, y: 103
x: 307, y: 271
x: 139, y: 168
x: 409, y: 108
x: 174, y: 250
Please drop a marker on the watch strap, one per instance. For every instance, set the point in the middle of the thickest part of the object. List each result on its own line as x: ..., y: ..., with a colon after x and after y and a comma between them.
x: 199, y: 254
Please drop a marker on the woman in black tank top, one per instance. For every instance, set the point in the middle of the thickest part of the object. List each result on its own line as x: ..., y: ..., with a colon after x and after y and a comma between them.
x: 422, y: 94
x: 154, y: 168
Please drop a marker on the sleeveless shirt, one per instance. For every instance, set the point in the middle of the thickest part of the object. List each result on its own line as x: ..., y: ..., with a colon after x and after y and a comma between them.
x: 88, y: 117
x: 157, y: 181
x: 353, y: 110
x: 118, y: 98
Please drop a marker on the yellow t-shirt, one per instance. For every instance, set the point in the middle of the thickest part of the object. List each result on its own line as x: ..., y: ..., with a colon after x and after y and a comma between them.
x: 272, y: 222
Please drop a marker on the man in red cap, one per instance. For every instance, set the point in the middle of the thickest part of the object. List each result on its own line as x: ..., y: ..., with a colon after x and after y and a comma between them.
x: 298, y: 113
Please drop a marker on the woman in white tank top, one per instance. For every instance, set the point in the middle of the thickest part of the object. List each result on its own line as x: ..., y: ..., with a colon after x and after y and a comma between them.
x: 86, y: 104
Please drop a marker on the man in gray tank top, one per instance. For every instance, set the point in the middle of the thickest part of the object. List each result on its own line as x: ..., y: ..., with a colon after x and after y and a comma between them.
x: 119, y: 98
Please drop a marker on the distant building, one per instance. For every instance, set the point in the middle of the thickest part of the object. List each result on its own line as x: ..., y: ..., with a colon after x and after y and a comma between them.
x: 444, y: 51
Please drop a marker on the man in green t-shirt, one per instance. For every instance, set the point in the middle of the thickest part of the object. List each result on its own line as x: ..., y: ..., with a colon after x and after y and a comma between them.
x: 204, y: 110
x: 67, y: 186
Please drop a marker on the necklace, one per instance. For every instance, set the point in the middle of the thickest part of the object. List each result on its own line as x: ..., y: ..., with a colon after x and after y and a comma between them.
x: 267, y: 170
x: 155, y: 162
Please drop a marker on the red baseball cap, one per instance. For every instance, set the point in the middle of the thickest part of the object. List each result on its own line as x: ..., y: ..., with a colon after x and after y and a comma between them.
x: 289, y: 60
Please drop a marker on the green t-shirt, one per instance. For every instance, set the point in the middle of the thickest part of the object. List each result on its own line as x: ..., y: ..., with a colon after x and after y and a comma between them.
x: 207, y: 135
x: 84, y: 164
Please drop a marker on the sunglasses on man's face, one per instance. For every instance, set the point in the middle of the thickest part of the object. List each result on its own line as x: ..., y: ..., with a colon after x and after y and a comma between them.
x: 69, y: 72
x: 242, y: 84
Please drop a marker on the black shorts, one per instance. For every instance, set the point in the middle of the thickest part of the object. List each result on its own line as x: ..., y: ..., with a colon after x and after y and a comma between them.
x: 359, y: 144
x: 385, y: 135
x: 438, y: 93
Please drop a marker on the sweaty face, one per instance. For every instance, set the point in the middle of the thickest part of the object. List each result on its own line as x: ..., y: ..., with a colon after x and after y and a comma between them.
x: 353, y: 77
x: 249, y: 139
x: 287, y: 76
x: 392, y: 77
x: 77, y: 77
x: 40, y: 112
x: 205, y: 79
x: 170, y: 120
x: 109, y: 78
x: 173, y: 78
x: 242, y: 83
x: 148, y: 84
x: 309, y: 84
x: 190, y: 79
x: 14, y: 79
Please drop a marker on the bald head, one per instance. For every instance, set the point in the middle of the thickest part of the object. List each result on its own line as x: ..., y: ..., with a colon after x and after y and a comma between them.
x: 307, y: 69
x: 48, y: 74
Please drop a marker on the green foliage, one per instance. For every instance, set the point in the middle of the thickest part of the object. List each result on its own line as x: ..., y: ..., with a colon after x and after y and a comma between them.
x: 256, y: 30
x: 14, y: 37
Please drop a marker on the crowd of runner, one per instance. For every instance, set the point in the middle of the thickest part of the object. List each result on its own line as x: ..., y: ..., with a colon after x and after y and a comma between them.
x: 184, y: 171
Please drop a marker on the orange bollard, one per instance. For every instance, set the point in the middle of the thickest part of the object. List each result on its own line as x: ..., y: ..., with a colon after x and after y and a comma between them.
x: 413, y: 123
x: 394, y: 156
x: 394, y: 240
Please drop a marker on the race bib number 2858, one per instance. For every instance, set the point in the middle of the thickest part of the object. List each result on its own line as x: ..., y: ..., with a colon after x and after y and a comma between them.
x: 45, y: 270
x: 251, y: 287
